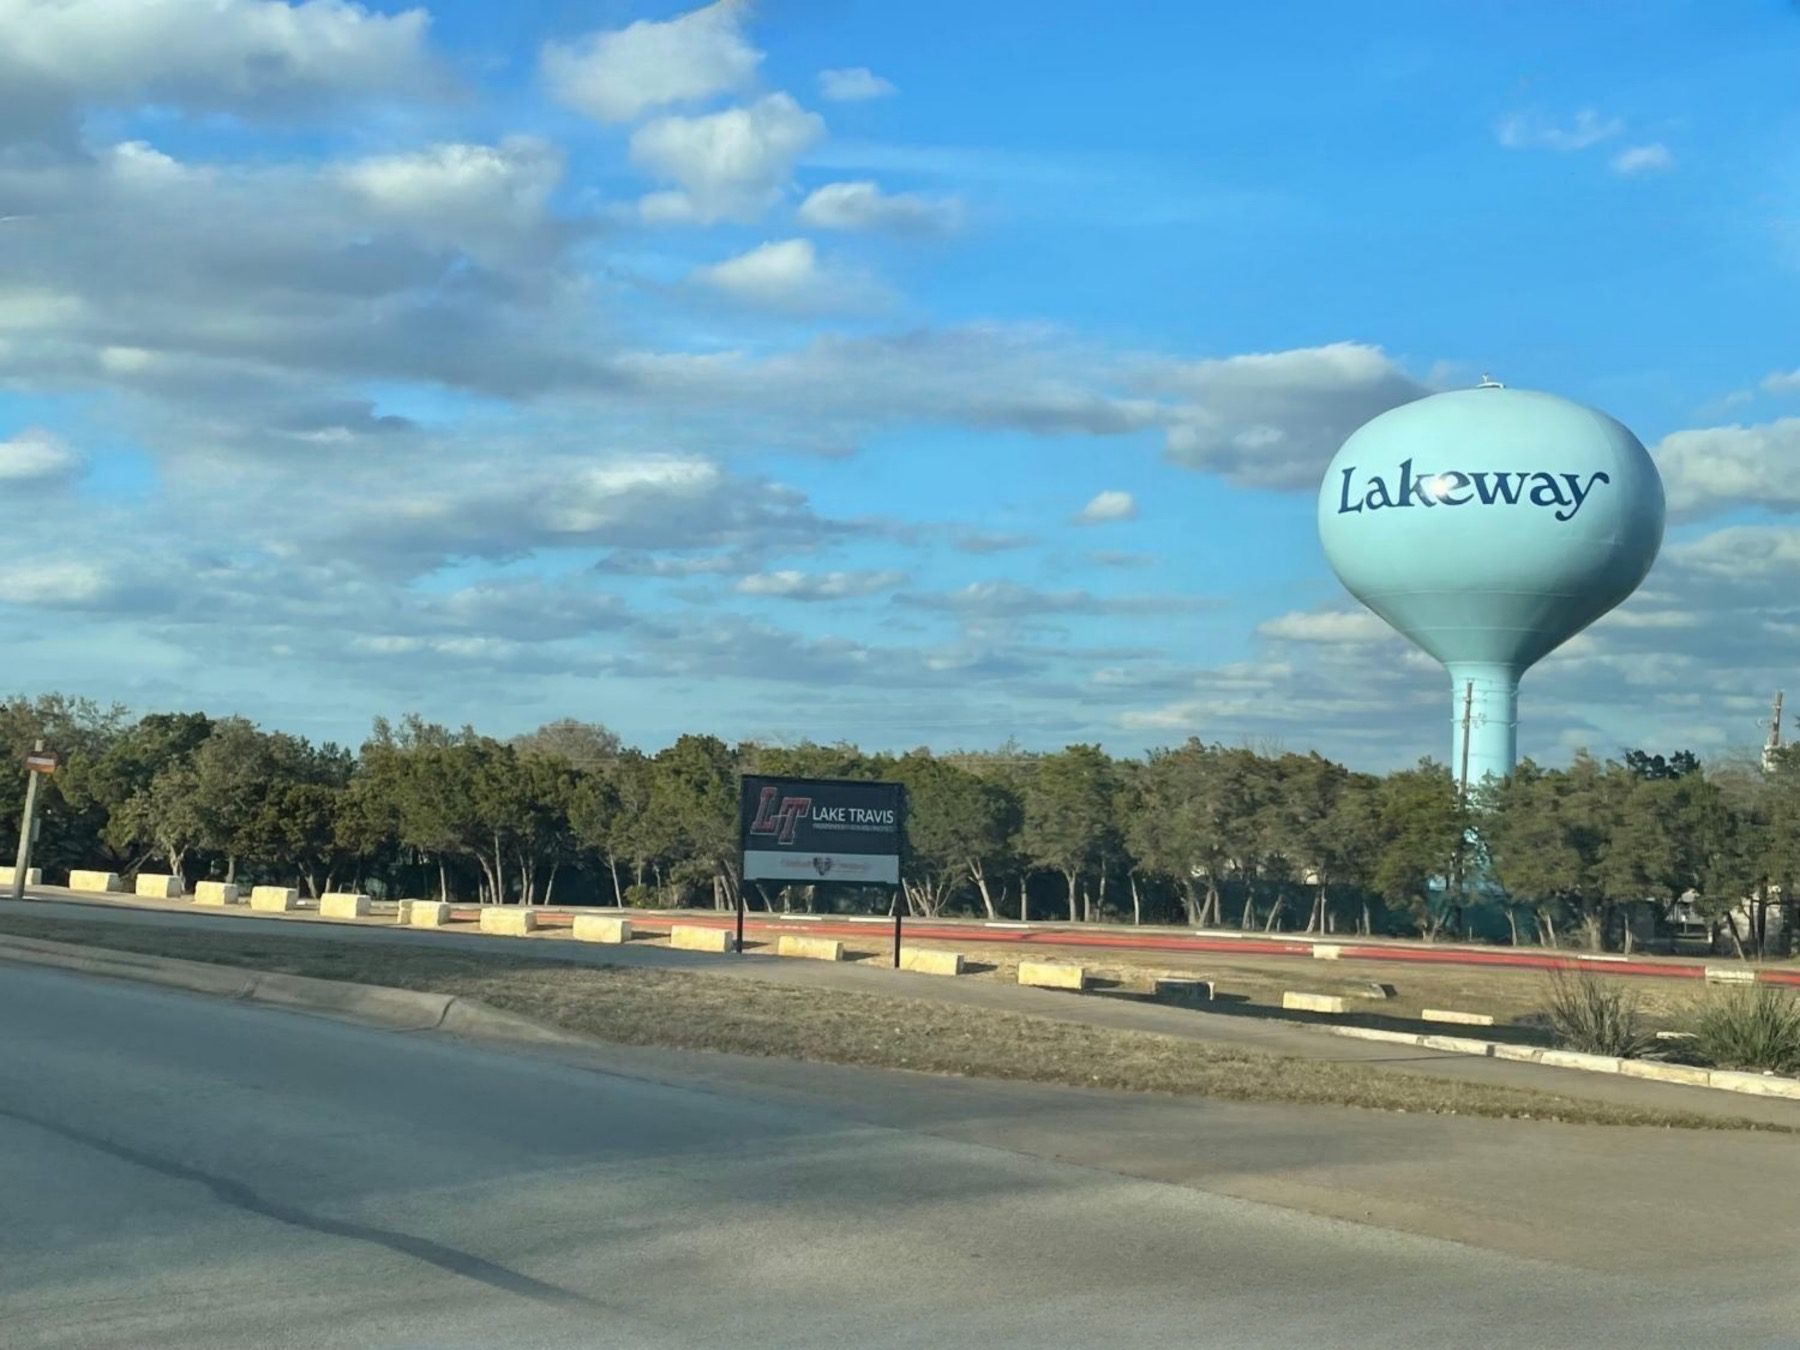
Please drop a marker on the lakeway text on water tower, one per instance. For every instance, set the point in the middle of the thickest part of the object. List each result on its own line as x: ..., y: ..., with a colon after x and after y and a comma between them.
x: 1454, y: 487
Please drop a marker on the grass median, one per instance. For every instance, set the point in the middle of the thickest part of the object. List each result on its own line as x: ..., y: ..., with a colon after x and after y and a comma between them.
x: 683, y: 1010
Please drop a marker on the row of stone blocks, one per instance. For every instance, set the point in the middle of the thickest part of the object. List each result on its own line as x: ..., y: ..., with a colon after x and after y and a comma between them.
x: 34, y: 876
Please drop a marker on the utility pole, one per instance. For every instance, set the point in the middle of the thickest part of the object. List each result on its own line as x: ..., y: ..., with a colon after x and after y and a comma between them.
x: 1468, y: 718
x: 29, y: 822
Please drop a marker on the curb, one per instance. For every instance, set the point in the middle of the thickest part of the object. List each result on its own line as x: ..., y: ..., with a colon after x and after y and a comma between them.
x: 377, y: 1004
x: 1686, y: 1075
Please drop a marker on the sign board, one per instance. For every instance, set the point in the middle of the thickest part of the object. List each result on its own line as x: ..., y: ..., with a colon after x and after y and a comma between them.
x: 799, y: 830
x: 41, y: 761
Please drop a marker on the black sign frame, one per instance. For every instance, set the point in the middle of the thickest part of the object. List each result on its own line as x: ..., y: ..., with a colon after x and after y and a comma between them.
x: 822, y: 829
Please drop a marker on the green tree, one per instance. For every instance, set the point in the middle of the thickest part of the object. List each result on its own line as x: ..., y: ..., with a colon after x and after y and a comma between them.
x: 1069, y: 815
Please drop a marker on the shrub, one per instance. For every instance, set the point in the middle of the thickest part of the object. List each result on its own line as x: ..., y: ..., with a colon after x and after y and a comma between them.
x: 1594, y: 1016
x: 1756, y: 1028
x: 645, y: 897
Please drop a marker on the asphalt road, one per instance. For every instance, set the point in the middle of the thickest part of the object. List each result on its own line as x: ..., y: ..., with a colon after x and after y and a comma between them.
x: 179, y: 1170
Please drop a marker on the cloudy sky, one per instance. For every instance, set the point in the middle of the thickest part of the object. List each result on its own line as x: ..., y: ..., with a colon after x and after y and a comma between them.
x: 930, y: 373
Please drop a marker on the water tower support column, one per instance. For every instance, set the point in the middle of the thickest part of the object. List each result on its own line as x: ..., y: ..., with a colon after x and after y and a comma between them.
x: 1491, y: 695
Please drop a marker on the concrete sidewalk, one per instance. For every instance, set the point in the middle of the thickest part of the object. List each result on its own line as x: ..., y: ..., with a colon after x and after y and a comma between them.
x: 1266, y: 1035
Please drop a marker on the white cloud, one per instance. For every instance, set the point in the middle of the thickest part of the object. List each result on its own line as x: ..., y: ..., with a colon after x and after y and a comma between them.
x: 1714, y: 468
x: 457, y: 189
x: 243, y: 55
x: 787, y: 275
x: 56, y: 583
x: 1275, y: 419
x: 1331, y: 627
x: 1781, y: 382
x: 1011, y: 600
x: 790, y: 584
x: 728, y: 165
x: 853, y: 84
x: 1639, y: 159
x: 1534, y: 131
x: 864, y: 206
x: 618, y: 75
x: 1108, y: 506
x: 34, y: 458
x: 1741, y: 552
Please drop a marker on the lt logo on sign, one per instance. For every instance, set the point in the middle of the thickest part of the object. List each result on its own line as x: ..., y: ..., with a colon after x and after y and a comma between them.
x: 778, y: 815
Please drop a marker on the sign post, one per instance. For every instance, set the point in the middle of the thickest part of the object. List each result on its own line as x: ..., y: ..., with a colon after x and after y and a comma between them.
x: 808, y: 830
x: 38, y: 763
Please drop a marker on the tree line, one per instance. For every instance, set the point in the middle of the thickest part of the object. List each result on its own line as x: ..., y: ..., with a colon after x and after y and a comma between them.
x: 1600, y: 853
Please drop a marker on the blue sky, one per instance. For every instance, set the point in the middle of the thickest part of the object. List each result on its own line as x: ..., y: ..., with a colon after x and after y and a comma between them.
x: 929, y: 374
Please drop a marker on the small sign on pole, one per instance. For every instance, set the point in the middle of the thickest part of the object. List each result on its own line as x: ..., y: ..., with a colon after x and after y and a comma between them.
x: 38, y: 762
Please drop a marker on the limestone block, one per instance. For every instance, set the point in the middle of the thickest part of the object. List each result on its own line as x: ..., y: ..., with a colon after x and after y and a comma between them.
x: 1467, y: 1019
x: 1730, y: 975
x: 601, y: 928
x: 809, y: 948
x: 34, y: 876
x: 1319, y: 1003
x: 1327, y: 951
x: 1691, y: 1074
x: 158, y: 886
x: 427, y: 913
x: 508, y: 920
x: 1576, y: 1059
x: 928, y: 962
x: 1184, y: 989
x: 1756, y: 1084
x: 343, y: 905
x: 1052, y: 975
x: 215, y: 893
x: 95, y: 881
x: 274, y: 899
x: 690, y: 938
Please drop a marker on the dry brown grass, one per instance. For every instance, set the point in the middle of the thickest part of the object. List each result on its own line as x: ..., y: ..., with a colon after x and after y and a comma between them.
x: 639, y: 1006
x: 1516, y: 996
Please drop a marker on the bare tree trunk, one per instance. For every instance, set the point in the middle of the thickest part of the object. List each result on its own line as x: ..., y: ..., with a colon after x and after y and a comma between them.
x: 1512, y: 922
x: 443, y: 880
x: 1137, y: 902
x: 1069, y: 875
x: 1368, y: 919
x: 1737, y: 944
x: 612, y: 866
x: 979, y: 875
x: 550, y: 885
x: 1024, y: 897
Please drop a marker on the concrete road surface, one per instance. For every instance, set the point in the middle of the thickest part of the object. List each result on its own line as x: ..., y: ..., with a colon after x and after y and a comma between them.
x: 176, y: 1170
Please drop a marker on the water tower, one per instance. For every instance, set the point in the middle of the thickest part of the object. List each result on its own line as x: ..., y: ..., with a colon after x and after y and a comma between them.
x: 1489, y: 526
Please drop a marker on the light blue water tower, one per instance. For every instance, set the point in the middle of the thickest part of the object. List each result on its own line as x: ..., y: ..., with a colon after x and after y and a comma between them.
x: 1489, y: 526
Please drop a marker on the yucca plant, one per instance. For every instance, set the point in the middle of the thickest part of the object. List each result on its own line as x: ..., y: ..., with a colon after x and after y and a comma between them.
x: 1756, y: 1028
x: 1592, y: 1015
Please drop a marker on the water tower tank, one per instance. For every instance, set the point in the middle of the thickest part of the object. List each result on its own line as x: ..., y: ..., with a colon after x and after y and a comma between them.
x: 1489, y: 526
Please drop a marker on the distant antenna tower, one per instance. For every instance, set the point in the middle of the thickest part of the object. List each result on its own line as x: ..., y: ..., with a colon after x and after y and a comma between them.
x: 1489, y: 382
x: 1773, y: 747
